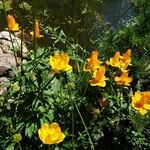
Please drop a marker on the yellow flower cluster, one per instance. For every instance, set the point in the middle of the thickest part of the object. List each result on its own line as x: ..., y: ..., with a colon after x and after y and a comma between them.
x: 51, y: 134
x: 141, y: 102
x: 93, y: 65
x: 14, y: 26
x: 121, y: 62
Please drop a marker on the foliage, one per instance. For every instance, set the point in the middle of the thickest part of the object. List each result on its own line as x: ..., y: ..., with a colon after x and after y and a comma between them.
x: 7, y: 4
x: 135, y: 36
x: 90, y: 97
x: 74, y: 17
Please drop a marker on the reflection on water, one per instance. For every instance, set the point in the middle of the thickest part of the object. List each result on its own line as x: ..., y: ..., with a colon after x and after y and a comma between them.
x: 118, y: 13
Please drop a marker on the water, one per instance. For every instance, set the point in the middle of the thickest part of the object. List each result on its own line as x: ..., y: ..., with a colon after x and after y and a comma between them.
x: 117, y: 13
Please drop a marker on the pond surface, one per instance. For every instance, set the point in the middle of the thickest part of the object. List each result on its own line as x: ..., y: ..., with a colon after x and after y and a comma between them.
x: 117, y: 13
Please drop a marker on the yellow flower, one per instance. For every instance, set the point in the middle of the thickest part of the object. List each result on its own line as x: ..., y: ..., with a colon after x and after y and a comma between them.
x: 115, y: 60
x: 95, y: 111
x: 125, y: 61
x: 122, y: 62
x: 15, y: 87
x: 123, y: 79
x: 12, y: 25
x: 59, y: 62
x: 36, y: 30
x: 140, y: 102
x: 99, y: 77
x: 127, y: 57
x: 92, y: 63
x: 17, y: 137
x: 51, y: 134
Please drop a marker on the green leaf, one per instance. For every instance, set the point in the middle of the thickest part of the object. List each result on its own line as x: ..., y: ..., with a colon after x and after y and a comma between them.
x: 25, y: 6
x: 50, y: 115
x: 56, y: 85
x: 10, y: 147
x: 6, y: 5
x: 41, y: 109
x: 30, y: 129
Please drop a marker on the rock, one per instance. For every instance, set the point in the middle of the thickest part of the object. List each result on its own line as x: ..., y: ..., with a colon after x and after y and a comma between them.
x: 12, y: 42
x: 1, y: 51
x: 6, y: 62
x: 5, y: 49
x: 6, y: 38
x: 3, y: 90
x: 3, y: 79
x: 8, y: 43
x: 3, y: 85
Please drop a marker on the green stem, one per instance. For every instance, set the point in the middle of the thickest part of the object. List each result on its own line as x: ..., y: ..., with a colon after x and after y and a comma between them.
x: 121, y: 97
x: 120, y: 103
x: 72, y: 125
x: 48, y: 147
x: 85, y: 89
x: 22, y: 39
x: 21, y: 66
x: 40, y: 89
x: 46, y: 84
x: 90, y: 141
x: 20, y: 147
x: 34, y: 20
x: 72, y: 116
